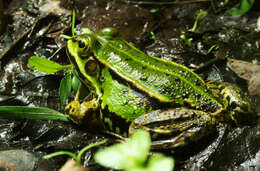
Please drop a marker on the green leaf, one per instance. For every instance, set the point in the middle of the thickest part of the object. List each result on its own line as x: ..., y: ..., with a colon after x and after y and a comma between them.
x: 65, y: 88
x: 201, y: 14
x: 187, y: 41
x: 154, y: 10
x: 157, y: 162
x: 114, y: 157
x: 75, y: 80
x: 24, y: 112
x: 153, y: 36
x: 140, y: 145
x: 45, y: 65
x: 127, y: 155
x: 75, y: 83
x: 160, y: 162
x: 245, y: 6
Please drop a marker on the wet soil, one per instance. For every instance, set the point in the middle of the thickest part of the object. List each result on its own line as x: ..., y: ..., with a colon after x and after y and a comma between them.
x: 31, y: 28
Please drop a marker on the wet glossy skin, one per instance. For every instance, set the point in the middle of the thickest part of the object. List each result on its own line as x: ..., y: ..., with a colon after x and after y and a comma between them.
x: 167, y: 99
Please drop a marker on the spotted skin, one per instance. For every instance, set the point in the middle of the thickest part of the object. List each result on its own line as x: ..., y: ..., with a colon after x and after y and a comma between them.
x: 132, y: 90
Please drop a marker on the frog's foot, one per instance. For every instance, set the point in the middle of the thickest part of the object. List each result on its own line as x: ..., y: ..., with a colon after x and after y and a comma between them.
x: 174, y: 127
x: 235, y: 101
x: 79, y: 112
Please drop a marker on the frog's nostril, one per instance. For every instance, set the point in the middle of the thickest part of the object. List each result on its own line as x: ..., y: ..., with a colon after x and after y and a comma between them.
x: 74, y: 39
x: 233, y: 105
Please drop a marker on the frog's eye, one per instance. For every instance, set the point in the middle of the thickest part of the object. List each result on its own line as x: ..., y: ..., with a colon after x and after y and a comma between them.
x: 82, y: 43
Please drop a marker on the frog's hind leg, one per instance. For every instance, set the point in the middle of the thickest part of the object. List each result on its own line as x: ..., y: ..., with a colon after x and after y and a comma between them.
x: 174, y: 128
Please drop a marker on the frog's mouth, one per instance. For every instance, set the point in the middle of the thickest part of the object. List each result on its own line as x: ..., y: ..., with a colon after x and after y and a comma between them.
x: 73, y: 60
x: 80, y: 65
x: 69, y: 53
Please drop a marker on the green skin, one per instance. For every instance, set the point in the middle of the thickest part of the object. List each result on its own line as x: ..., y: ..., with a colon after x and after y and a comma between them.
x: 167, y: 99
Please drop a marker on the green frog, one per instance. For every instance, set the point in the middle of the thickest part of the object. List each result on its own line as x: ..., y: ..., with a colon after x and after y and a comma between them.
x: 131, y: 90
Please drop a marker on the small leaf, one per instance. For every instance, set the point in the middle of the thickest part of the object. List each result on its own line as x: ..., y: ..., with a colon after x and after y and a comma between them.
x: 140, y: 145
x: 65, y: 88
x: 127, y: 155
x: 198, y: 17
x: 75, y: 80
x: 244, y: 7
x: 160, y: 162
x: 24, y: 112
x: 187, y: 41
x: 154, y: 10
x: 113, y: 157
x: 75, y: 83
x: 45, y: 65
x: 153, y: 36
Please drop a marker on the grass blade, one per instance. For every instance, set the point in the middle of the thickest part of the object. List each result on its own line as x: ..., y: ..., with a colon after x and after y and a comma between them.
x: 24, y: 112
x: 73, y: 22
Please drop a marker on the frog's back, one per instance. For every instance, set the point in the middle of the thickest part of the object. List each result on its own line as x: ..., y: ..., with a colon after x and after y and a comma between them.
x: 164, y: 80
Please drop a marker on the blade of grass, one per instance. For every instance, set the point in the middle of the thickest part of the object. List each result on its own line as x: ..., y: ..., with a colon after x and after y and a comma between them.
x: 24, y: 112
x: 198, y: 17
x: 59, y: 153
x: 88, y: 147
x: 73, y: 22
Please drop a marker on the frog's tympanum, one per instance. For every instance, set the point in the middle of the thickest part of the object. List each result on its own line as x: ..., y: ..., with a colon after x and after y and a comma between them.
x: 131, y: 90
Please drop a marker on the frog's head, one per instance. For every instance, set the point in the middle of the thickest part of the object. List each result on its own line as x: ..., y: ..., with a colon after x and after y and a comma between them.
x: 80, y: 53
x: 238, y: 104
x: 80, y: 45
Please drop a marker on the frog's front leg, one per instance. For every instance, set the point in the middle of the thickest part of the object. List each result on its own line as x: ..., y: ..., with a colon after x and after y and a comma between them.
x: 174, y: 127
x: 79, y: 112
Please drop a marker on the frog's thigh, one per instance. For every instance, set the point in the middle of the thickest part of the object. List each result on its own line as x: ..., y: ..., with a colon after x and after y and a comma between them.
x: 174, y: 127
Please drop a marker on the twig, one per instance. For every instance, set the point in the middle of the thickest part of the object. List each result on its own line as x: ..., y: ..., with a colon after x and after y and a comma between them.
x: 164, y: 3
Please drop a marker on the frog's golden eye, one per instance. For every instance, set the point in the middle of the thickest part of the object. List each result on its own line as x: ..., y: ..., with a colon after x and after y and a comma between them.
x: 82, y: 43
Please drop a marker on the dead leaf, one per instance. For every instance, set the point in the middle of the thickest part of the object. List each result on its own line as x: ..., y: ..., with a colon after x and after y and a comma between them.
x: 248, y: 71
x: 71, y: 165
x: 254, y: 84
